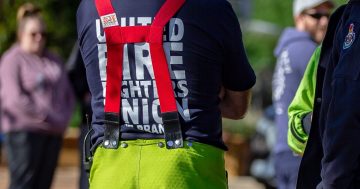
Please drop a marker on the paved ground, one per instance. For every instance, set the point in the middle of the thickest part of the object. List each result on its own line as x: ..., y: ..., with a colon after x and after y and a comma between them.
x: 66, y: 178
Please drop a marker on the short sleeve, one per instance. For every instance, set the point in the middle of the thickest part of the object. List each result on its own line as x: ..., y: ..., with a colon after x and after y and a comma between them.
x: 238, y: 75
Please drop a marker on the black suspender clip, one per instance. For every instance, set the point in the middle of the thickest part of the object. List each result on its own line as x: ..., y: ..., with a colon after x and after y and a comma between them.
x: 172, y: 130
x: 112, y: 131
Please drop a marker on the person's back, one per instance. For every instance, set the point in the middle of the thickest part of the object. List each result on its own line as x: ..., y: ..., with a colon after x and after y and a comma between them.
x: 204, y: 50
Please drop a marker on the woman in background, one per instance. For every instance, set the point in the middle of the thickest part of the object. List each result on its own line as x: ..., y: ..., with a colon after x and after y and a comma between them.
x: 37, y: 104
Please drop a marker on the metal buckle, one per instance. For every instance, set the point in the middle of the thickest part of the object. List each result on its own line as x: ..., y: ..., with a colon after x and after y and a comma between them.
x: 112, y: 131
x: 172, y: 130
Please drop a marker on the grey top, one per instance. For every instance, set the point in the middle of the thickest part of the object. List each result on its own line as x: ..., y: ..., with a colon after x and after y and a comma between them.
x: 293, y: 53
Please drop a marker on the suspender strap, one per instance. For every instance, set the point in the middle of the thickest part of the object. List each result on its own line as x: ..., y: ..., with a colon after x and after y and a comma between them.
x: 169, y: 113
x: 128, y: 34
x: 161, y: 70
x: 113, y: 73
x: 116, y: 37
x: 104, y: 7
x: 166, y: 12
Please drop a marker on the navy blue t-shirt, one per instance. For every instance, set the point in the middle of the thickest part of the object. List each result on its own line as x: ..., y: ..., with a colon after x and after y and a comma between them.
x: 204, y: 49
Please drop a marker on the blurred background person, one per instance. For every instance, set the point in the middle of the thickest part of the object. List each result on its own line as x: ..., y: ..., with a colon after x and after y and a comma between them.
x: 243, y: 8
x: 37, y: 102
x: 77, y: 75
x: 1, y: 143
x: 261, y: 145
x: 293, y: 52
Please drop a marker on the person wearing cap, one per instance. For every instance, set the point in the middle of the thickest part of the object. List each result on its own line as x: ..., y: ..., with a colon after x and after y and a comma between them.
x: 161, y: 75
x: 293, y: 52
x: 332, y: 155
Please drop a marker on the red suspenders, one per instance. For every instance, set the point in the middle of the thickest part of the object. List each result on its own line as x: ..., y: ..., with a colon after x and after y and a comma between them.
x: 116, y: 37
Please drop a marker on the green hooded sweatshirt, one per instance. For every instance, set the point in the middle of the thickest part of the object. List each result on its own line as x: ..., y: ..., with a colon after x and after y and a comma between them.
x: 300, y: 109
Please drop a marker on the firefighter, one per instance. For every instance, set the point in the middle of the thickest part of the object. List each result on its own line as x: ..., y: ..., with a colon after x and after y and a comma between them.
x: 161, y: 75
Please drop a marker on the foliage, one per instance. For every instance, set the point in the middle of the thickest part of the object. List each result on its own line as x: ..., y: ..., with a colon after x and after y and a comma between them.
x: 59, y: 16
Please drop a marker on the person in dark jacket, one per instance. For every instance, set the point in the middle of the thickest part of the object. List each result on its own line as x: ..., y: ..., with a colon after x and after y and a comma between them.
x: 293, y: 52
x: 77, y: 75
x: 332, y: 156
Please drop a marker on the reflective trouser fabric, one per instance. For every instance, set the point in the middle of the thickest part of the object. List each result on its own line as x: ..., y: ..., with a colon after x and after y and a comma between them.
x: 142, y: 164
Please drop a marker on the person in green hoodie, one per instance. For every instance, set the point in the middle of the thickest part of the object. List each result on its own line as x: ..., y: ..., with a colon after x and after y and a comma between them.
x: 301, y: 108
